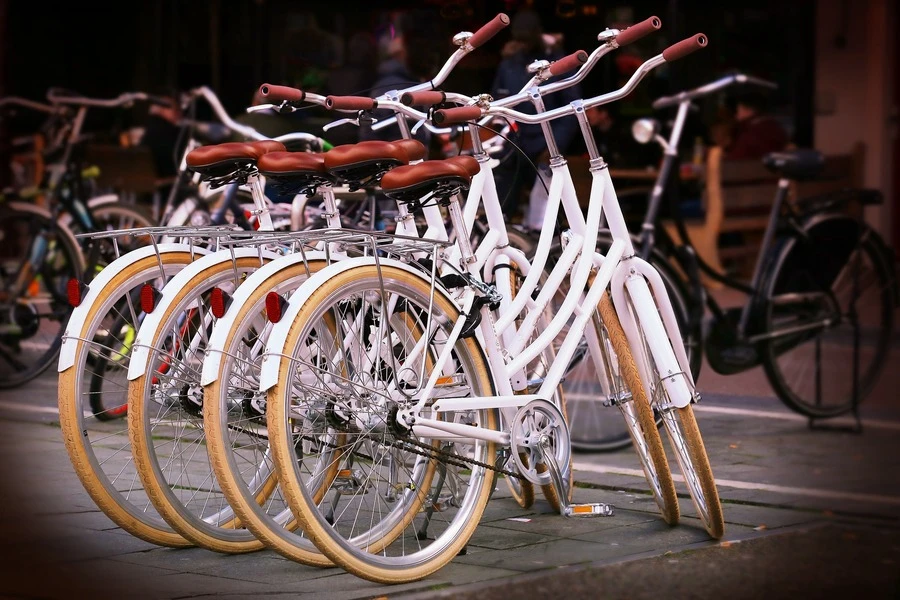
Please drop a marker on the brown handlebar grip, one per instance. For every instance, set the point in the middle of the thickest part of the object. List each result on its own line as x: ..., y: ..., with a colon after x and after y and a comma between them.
x: 638, y: 30
x: 569, y: 63
x: 281, y: 93
x: 489, y: 30
x: 449, y: 116
x: 685, y: 47
x: 350, y: 103
x: 427, y: 98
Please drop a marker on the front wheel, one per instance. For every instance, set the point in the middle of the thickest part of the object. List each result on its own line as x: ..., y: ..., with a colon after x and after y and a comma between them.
x: 681, y: 427
x: 37, y: 260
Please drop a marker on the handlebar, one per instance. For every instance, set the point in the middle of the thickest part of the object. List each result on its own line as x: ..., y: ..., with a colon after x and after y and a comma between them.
x: 568, y: 63
x: 55, y: 97
x: 283, y: 93
x: 449, y: 116
x: 685, y: 47
x: 243, y: 130
x: 350, y: 103
x: 488, y: 30
x: 693, y: 43
x: 423, y: 98
x: 638, y: 31
x: 711, y: 88
x: 26, y: 103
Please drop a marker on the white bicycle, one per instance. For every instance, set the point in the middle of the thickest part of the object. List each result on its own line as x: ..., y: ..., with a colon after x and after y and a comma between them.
x: 393, y: 379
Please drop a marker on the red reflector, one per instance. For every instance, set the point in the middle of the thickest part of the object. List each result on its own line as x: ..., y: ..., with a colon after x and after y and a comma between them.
x: 149, y: 296
x: 219, y: 301
x: 274, y: 306
x: 255, y: 222
x: 75, y: 290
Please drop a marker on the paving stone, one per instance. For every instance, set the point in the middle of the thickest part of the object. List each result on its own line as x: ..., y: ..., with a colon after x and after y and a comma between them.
x: 541, y: 556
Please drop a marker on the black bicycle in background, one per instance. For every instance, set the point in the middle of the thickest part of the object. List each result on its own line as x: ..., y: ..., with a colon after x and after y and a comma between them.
x: 39, y: 253
x: 819, y: 310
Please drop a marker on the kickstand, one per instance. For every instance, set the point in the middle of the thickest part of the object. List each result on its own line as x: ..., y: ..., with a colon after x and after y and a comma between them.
x: 853, y: 318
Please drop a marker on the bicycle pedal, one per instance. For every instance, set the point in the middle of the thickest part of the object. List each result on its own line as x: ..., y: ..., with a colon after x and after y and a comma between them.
x: 596, y: 509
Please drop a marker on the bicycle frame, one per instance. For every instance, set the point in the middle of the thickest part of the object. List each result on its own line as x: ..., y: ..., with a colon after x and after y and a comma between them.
x: 683, y: 101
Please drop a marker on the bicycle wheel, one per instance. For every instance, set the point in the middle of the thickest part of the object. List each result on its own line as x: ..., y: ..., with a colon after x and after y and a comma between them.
x: 33, y: 303
x: 235, y: 425
x: 829, y: 311
x: 97, y: 443
x: 354, y: 355
x: 117, y: 216
x: 639, y: 416
x: 685, y: 439
x: 165, y: 418
x: 591, y: 427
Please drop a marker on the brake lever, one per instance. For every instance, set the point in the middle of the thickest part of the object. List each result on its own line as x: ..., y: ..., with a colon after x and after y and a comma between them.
x: 417, y: 126
x: 261, y: 107
x: 340, y: 122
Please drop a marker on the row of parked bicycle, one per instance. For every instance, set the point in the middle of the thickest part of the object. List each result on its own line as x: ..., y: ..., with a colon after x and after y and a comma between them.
x: 348, y: 396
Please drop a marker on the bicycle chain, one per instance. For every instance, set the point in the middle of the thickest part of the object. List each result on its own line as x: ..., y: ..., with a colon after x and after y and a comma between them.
x: 429, y: 451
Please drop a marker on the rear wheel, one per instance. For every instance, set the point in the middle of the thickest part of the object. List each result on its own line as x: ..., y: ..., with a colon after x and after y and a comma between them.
x: 401, y: 506
x: 165, y: 419
x: 234, y: 419
x: 92, y: 400
x: 829, y: 309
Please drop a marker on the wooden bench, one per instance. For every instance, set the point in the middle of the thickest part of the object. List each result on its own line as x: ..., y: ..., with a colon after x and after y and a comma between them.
x: 738, y: 198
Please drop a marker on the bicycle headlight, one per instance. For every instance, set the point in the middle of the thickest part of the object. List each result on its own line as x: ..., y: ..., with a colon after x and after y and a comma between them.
x: 644, y: 130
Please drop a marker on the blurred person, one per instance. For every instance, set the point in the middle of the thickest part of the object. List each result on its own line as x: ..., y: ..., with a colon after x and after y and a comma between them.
x: 755, y: 133
x: 528, y: 44
x: 357, y: 73
x: 402, y: 68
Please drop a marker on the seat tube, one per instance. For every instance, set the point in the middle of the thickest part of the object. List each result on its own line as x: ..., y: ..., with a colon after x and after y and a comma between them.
x: 259, y: 200
x: 768, y: 236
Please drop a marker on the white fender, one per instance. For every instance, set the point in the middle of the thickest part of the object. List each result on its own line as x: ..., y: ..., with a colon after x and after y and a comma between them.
x: 101, y: 281
x: 278, y: 336
x: 212, y: 360
x: 140, y: 353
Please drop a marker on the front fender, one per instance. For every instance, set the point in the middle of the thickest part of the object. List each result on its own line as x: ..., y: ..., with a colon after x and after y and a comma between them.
x: 275, y: 347
x: 100, y: 283
x: 140, y: 353
x: 212, y: 360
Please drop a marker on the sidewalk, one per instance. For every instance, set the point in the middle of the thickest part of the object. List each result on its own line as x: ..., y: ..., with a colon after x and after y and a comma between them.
x: 791, y: 497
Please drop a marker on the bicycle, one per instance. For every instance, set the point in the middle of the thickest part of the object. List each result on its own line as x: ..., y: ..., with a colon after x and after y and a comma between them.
x: 434, y: 396
x: 231, y: 359
x: 42, y: 253
x: 822, y: 291
x: 147, y: 413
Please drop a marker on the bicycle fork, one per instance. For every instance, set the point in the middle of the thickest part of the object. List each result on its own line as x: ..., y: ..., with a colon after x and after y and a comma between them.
x: 649, y: 317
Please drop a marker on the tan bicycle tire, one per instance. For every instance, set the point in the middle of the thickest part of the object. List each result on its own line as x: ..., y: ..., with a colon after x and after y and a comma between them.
x: 228, y: 482
x: 277, y: 419
x: 715, y: 523
x: 629, y: 371
x: 73, y: 433
x: 140, y: 444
